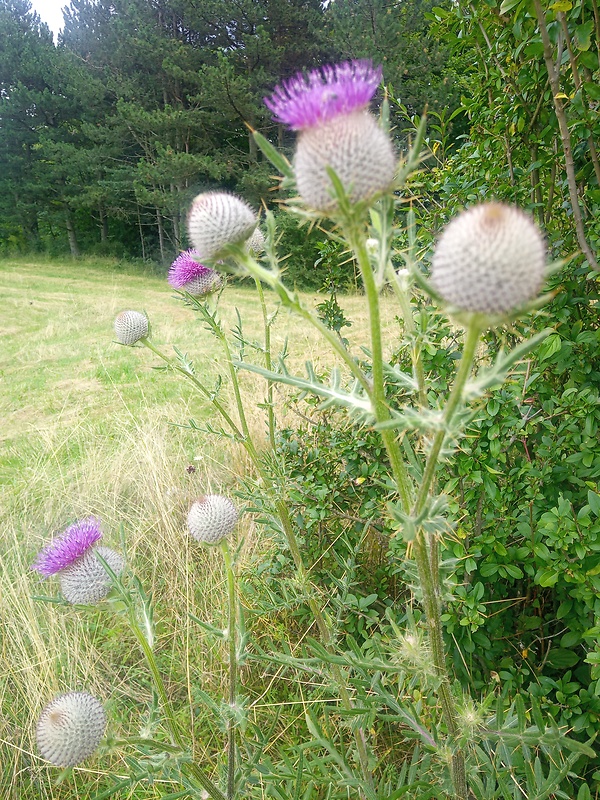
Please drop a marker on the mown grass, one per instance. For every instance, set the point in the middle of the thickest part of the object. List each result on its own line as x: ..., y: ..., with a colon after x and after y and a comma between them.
x: 90, y: 428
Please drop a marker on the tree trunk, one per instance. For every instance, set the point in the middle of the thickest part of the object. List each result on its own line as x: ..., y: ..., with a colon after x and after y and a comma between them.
x: 141, y: 233
x: 74, y: 247
x: 161, y: 234
x: 103, y: 225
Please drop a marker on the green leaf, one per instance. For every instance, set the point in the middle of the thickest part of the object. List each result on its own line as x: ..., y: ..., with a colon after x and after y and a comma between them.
x: 547, y: 578
x: 583, y: 35
x: 593, y: 499
x: 508, y: 5
x: 561, y: 658
x: 551, y: 346
x: 278, y: 160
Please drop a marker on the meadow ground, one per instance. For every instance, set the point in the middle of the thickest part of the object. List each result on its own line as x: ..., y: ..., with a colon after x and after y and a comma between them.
x: 88, y: 427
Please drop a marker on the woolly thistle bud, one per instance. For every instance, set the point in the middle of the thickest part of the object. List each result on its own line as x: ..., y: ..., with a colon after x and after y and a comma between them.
x: 355, y: 148
x: 218, y: 219
x: 256, y: 243
x: 212, y: 518
x: 130, y: 327
x: 70, y: 728
x: 490, y: 259
x: 86, y: 580
x: 329, y: 108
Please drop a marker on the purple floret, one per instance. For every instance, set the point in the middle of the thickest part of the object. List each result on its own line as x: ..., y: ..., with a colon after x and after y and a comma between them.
x: 307, y: 100
x: 68, y: 547
x: 185, y: 268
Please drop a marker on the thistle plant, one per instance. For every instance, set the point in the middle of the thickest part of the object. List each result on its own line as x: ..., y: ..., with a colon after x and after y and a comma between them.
x: 487, y: 269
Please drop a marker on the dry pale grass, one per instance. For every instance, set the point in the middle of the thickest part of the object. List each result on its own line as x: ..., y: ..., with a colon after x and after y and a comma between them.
x: 87, y: 430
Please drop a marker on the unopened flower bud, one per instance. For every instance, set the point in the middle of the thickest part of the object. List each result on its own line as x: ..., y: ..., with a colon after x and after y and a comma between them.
x: 212, y: 518
x: 70, y: 728
x: 256, y: 243
x: 131, y: 326
x: 218, y: 219
x: 489, y: 259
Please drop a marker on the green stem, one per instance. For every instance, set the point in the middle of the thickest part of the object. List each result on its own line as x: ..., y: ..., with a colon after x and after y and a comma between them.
x: 233, y: 671
x: 268, y: 363
x: 380, y: 407
x: 411, y: 329
x: 198, y: 384
x: 327, y: 639
x: 427, y: 565
x: 474, y: 331
x: 168, y: 713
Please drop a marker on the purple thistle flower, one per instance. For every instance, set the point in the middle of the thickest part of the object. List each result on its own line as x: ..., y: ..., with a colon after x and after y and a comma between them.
x: 68, y: 547
x: 185, y: 269
x: 308, y: 100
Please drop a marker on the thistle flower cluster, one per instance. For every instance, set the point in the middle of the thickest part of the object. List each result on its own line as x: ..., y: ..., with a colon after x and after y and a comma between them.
x: 70, y: 728
x: 329, y: 108
x: 187, y: 273
x: 490, y: 259
x: 211, y: 519
x: 74, y: 558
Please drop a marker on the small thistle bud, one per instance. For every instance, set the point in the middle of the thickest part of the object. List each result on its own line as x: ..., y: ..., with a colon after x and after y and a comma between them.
x: 218, y: 219
x: 187, y: 273
x: 490, y: 259
x: 256, y: 243
x: 329, y: 108
x: 86, y: 580
x: 70, y: 728
x: 130, y: 327
x: 212, y: 518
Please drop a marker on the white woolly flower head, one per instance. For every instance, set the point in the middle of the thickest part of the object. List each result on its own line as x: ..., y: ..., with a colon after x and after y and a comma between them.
x: 85, y: 580
x: 70, y: 728
x: 131, y: 326
x: 218, y: 219
x: 490, y: 259
x: 256, y: 243
x: 211, y: 518
x: 355, y: 148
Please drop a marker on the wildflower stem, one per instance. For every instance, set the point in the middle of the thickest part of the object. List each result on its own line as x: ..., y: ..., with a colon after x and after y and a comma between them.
x: 474, y: 331
x: 198, y: 384
x: 168, y: 713
x: 327, y: 639
x: 411, y: 329
x: 268, y: 362
x: 233, y: 672
x: 381, y: 410
x: 428, y: 568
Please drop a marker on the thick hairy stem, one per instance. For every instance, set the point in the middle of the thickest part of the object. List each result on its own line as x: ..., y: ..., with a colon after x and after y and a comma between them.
x: 327, y: 639
x: 168, y: 713
x: 565, y: 136
x: 233, y: 670
x: 268, y: 363
x: 380, y: 407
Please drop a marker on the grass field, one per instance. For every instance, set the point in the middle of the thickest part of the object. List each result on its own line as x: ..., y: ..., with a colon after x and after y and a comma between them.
x: 90, y: 428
